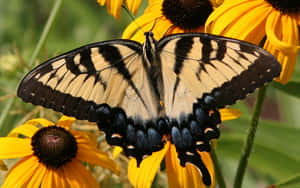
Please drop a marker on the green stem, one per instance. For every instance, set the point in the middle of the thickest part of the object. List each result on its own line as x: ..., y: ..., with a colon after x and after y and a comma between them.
x: 46, y: 30
x: 250, y: 138
x: 219, y: 175
x: 43, y: 38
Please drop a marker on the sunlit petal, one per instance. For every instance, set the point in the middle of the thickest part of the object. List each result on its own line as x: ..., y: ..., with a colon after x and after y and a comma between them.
x: 189, y: 176
x: 66, y: 122
x: 21, y: 172
x: 40, y: 121
x: 133, y: 5
x: 48, y: 181
x: 94, y: 156
x: 229, y: 114
x: 114, y: 7
x: 116, y: 152
x: 11, y: 147
x: 37, y: 177
x: 28, y: 129
x: 143, y: 176
x: 77, y: 176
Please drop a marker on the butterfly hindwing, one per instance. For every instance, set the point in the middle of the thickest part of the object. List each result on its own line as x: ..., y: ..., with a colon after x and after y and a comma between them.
x: 214, y: 70
x: 106, y: 72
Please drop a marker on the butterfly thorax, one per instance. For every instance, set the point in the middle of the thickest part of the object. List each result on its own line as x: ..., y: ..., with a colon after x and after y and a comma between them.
x: 153, y: 67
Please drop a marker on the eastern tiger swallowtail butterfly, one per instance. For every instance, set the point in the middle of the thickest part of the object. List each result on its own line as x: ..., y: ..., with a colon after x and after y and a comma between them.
x: 137, y: 93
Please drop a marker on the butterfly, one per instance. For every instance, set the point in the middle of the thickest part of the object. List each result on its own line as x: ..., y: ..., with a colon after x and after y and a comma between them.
x: 137, y: 93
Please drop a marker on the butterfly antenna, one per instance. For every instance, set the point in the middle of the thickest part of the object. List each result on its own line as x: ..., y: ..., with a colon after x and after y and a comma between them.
x: 131, y: 16
x: 169, y: 29
x: 155, y: 21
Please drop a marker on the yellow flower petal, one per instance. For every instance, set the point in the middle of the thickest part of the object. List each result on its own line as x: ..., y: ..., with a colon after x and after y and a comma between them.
x: 101, y: 2
x: 133, y: 5
x: 241, y: 19
x: 229, y: 114
x: 11, y: 147
x: 117, y: 151
x: 21, y: 172
x: 282, y: 42
x: 66, y: 122
x: 77, y: 176
x: 40, y: 121
x: 2, y: 165
x: 27, y: 129
x: 189, y: 176
x: 275, y: 18
x: 60, y: 179
x: 48, y: 181
x: 143, y: 176
x: 114, y: 7
x: 36, y: 179
x: 94, y: 156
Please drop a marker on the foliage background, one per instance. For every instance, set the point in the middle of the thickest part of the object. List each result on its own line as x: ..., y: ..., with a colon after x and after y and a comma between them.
x: 276, y: 154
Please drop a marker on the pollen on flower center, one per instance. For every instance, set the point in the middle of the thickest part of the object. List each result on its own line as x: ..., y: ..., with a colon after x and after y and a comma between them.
x: 187, y: 14
x: 54, y: 146
x: 285, y: 6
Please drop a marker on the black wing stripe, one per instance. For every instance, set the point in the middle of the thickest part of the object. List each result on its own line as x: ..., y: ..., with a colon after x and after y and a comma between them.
x: 221, y: 51
x: 206, y: 49
x: 183, y: 47
x: 112, y: 54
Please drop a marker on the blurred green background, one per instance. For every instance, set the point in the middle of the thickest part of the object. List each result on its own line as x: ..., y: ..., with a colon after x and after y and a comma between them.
x: 276, y: 155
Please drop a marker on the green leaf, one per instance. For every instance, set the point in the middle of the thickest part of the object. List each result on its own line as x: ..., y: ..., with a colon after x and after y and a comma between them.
x: 276, y: 152
x: 291, y: 88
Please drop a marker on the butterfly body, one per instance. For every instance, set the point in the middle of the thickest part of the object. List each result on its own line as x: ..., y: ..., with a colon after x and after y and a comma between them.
x: 140, y: 94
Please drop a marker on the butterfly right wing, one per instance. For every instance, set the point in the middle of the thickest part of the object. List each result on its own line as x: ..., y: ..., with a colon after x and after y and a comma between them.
x: 213, y: 70
x: 78, y: 81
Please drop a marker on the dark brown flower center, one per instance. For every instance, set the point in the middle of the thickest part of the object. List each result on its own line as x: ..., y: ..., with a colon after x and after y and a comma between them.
x: 54, y: 146
x: 286, y: 6
x: 187, y: 14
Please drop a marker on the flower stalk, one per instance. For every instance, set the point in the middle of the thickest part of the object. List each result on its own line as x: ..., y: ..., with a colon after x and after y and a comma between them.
x: 218, y: 170
x: 242, y: 166
x: 50, y: 23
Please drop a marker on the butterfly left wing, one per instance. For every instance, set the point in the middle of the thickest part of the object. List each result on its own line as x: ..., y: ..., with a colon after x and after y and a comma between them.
x: 77, y: 82
x: 213, y: 70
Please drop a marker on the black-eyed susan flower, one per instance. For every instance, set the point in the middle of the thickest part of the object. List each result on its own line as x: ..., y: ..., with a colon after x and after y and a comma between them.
x: 114, y: 6
x: 51, y: 156
x: 252, y: 20
x: 142, y: 175
x: 169, y: 17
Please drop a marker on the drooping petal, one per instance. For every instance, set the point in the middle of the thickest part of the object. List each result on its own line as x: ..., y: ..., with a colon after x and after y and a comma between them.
x: 143, y: 176
x: 133, y: 5
x: 11, y: 147
x: 114, y: 7
x: 66, y: 122
x: 78, y: 176
x: 36, y: 179
x: 189, y: 176
x: 21, y: 172
x: 283, y: 42
x: 93, y: 155
x: 116, y: 152
x: 229, y: 114
x: 27, y: 129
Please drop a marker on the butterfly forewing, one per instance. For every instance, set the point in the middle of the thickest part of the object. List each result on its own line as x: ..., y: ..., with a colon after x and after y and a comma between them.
x: 214, y: 70
x: 107, y: 72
